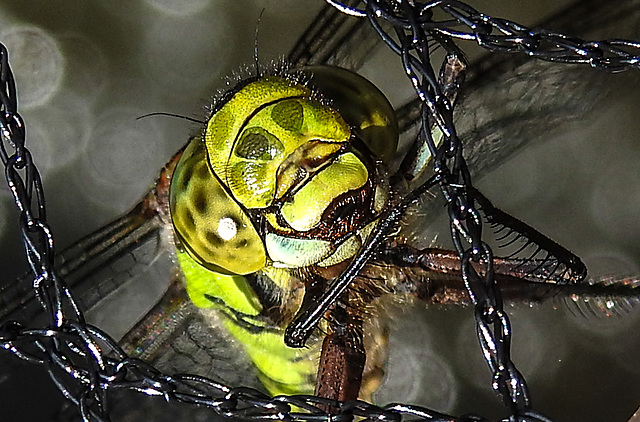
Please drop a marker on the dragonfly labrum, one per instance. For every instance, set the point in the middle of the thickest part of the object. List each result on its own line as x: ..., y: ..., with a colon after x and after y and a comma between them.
x: 165, y: 336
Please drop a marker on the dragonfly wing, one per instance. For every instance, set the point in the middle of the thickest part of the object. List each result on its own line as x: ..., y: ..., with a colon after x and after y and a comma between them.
x: 335, y: 39
x: 128, y: 252
x: 513, y: 101
x: 177, y: 337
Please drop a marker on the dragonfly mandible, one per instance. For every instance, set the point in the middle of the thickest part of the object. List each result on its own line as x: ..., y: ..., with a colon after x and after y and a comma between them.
x: 482, y: 158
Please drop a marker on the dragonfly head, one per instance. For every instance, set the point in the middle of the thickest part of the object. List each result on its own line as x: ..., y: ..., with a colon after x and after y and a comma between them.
x: 279, y: 170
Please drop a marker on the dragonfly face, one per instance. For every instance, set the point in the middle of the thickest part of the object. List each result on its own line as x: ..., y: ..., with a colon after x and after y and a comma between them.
x: 577, y: 343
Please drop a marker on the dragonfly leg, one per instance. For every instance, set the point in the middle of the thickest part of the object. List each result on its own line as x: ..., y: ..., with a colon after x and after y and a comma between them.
x: 342, y: 357
x: 433, y: 275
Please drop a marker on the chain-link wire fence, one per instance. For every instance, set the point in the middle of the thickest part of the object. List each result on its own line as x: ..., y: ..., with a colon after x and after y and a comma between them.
x: 67, y: 345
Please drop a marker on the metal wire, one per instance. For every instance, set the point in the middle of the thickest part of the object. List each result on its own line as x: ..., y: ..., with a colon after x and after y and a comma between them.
x: 86, y: 364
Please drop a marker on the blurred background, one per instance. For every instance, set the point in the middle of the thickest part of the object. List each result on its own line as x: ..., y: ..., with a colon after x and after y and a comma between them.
x: 86, y: 70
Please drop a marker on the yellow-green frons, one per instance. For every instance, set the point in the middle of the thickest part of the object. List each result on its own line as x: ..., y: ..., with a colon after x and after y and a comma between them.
x: 259, y: 128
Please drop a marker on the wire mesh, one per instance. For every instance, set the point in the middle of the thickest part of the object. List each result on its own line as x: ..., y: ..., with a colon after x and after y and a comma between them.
x: 52, y: 341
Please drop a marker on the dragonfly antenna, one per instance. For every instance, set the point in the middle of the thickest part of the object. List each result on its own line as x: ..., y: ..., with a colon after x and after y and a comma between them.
x: 255, y: 46
x: 160, y: 113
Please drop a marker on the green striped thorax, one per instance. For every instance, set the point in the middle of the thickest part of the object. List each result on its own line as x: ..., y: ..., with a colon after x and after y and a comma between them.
x: 284, y: 178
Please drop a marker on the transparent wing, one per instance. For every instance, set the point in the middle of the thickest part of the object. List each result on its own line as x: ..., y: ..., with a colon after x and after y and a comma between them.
x: 98, y: 265
x: 335, y: 39
x: 510, y: 102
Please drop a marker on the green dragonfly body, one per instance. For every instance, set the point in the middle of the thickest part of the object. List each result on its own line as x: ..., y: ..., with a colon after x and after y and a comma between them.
x: 160, y: 336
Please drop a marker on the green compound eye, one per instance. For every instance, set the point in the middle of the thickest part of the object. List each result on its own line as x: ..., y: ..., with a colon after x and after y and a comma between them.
x: 210, y: 224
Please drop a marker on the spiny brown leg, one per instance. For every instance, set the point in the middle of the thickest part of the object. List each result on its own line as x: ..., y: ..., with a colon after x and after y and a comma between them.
x: 342, y: 358
x: 433, y: 275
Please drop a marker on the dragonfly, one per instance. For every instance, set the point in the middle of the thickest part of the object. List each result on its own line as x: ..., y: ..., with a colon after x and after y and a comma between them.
x: 482, y: 160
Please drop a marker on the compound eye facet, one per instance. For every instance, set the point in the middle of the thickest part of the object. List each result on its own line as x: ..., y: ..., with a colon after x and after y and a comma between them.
x: 211, y: 225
